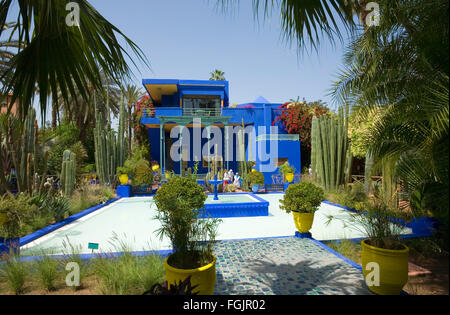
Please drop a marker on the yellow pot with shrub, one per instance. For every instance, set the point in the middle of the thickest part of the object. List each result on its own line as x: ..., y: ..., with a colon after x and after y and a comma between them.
x: 384, y: 258
x: 124, y: 179
x: 392, y: 265
x: 202, y: 278
x: 177, y: 202
x: 290, y: 177
x: 303, y: 200
x: 288, y: 172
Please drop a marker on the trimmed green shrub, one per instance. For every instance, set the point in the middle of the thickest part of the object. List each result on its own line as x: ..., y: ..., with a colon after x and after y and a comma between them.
x: 304, y: 198
x: 256, y: 178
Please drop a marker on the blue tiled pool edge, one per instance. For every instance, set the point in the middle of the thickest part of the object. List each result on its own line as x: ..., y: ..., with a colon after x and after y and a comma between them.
x: 51, y: 228
x: 233, y: 210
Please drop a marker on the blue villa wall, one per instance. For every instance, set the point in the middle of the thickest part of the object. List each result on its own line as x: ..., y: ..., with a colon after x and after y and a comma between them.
x: 256, y: 114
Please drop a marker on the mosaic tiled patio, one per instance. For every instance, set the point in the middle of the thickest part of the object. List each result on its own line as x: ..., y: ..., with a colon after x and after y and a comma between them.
x: 283, y: 266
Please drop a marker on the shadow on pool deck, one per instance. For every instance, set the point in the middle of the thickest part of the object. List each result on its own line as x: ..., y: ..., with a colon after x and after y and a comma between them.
x: 304, y: 269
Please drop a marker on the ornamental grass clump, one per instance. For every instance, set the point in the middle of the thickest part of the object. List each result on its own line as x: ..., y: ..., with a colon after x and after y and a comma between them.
x: 302, y: 198
x: 180, y: 202
x: 47, y: 271
x: 382, y: 226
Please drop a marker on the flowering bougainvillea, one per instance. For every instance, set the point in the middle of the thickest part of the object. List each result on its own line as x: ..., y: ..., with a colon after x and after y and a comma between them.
x: 296, y: 117
x: 143, y: 107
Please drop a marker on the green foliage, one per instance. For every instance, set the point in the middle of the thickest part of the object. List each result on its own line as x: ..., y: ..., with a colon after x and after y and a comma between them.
x: 181, y: 288
x: 230, y: 188
x: 88, y: 196
x: 127, y: 274
x: 348, y: 249
x: 382, y: 225
x: 286, y: 168
x: 93, y: 47
x: 402, y: 67
x: 359, y: 131
x: 65, y: 136
x: 354, y: 196
x: 143, y: 174
x: 15, y: 273
x: 256, y: 178
x: 47, y: 270
x: 179, y: 203
x: 18, y: 210
x: 304, y: 197
x: 138, y: 167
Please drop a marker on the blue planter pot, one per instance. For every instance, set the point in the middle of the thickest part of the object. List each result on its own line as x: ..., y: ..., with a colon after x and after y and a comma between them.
x: 255, y: 188
x: 11, y: 246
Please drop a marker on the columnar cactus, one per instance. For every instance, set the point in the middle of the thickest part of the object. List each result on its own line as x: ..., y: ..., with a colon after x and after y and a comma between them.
x: 110, y: 150
x: 28, y: 153
x: 329, y: 154
x: 68, y: 172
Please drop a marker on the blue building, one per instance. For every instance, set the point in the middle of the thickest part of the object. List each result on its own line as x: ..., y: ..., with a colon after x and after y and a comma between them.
x: 192, y: 117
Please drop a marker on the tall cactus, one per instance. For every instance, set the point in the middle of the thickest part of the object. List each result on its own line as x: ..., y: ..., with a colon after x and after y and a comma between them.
x: 68, y: 172
x: 110, y: 150
x: 28, y: 152
x: 329, y: 154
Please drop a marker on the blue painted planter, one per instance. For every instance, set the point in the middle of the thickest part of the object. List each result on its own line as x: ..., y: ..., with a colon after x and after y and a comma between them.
x: 124, y: 191
x: 11, y: 246
x: 255, y: 188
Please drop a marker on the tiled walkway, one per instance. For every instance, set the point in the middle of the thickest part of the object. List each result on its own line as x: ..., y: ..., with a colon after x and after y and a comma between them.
x: 283, y: 266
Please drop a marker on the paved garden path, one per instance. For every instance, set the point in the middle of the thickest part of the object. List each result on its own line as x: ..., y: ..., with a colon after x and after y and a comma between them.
x: 283, y: 266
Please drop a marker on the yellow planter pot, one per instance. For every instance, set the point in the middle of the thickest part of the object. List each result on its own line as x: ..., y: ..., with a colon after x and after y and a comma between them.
x: 124, y: 179
x: 393, y: 266
x: 204, y: 277
x: 303, y: 221
x: 290, y: 177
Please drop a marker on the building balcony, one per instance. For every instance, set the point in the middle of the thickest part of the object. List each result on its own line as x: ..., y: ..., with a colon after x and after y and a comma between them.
x: 202, y: 112
x: 176, y: 111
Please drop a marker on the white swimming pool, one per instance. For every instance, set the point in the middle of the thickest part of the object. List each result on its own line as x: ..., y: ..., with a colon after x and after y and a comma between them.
x: 132, y: 220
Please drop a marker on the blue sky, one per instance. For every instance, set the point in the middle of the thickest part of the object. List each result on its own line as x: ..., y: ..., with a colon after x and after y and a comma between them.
x: 187, y: 39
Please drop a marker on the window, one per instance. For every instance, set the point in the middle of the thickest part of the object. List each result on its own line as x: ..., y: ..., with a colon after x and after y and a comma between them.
x: 280, y: 161
x: 201, y: 102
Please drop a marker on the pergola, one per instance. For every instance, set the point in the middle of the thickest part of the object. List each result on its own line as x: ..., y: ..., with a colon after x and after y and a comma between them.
x: 183, y: 122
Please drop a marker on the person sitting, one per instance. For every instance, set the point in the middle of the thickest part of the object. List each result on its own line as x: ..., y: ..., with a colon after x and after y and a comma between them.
x: 237, y: 180
x: 231, y: 176
x: 226, y: 178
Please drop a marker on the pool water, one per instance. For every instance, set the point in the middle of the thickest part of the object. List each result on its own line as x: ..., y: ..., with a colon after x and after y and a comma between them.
x: 131, y: 220
x: 238, y: 198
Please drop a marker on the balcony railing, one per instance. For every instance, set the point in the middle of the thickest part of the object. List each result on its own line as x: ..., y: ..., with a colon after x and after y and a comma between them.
x: 202, y: 112
x: 176, y: 111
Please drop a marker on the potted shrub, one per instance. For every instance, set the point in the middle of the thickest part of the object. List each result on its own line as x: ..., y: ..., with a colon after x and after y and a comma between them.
x: 256, y: 179
x: 288, y: 172
x: 303, y: 200
x: 14, y: 211
x: 383, y: 246
x: 180, y: 202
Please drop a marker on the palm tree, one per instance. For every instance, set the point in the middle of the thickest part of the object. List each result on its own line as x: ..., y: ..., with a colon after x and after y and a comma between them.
x: 57, y: 56
x: 402, y: 66
x: 8, y: 50
x: 132, y: 95
x: 217, y: 75
x: 310, y: 21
